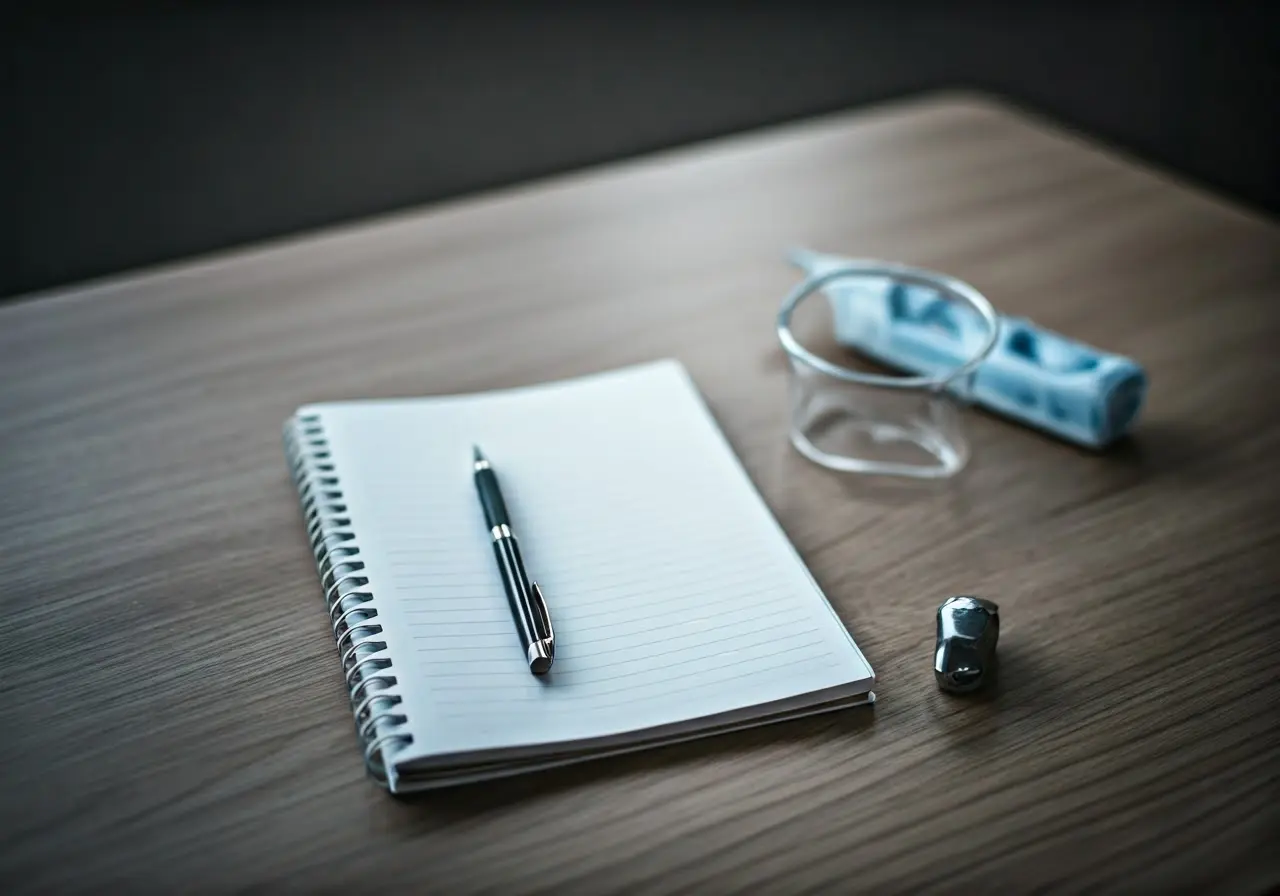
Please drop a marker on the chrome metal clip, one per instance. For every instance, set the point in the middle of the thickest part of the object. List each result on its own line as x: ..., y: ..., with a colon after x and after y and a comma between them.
x: 549, y: 642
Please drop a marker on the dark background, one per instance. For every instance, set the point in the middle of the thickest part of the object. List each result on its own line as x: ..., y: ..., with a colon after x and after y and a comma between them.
x: 137, y: 137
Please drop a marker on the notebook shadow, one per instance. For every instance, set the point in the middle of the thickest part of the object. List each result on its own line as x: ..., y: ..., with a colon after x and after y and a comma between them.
x: 466, y: 801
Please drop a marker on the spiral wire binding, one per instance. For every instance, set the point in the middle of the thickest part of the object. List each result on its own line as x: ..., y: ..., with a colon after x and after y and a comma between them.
x: 367, y: 669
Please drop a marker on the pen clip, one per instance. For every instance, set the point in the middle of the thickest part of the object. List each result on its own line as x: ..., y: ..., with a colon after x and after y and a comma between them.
x: 550, y: 639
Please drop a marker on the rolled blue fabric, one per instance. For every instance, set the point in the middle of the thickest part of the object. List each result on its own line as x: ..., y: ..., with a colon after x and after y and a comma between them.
x: 1037, y: 377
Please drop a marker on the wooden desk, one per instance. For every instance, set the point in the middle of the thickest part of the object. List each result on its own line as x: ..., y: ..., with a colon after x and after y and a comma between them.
x: 173, y: 715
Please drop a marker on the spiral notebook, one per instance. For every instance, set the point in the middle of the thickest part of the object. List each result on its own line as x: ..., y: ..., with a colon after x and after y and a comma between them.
x: 681, y: 609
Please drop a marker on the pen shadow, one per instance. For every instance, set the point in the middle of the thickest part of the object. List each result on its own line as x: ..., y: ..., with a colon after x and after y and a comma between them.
x: 462, y: 802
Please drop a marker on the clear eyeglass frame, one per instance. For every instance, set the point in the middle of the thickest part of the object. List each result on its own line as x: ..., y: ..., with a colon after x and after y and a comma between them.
x: 883, y: 425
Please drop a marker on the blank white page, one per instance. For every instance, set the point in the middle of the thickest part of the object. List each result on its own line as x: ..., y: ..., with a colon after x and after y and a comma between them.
x: 673, y: 591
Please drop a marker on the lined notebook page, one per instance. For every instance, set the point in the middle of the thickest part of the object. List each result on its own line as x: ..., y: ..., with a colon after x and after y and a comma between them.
x: 673, y: 591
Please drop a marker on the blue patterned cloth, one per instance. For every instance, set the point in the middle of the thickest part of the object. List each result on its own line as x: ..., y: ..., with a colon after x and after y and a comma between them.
x: 1034, y: 376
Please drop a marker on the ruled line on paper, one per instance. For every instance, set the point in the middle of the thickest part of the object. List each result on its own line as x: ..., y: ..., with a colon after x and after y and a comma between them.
x: 527, y: 686
x: 640, y: 575
x: 636, y: 610
x: 658, y: 693
x: 572, y: 675
x: 614, y: 629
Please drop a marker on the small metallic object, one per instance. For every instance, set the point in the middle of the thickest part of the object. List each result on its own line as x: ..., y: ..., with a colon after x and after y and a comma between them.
x: 1039, y: 378
x: 968, y: 628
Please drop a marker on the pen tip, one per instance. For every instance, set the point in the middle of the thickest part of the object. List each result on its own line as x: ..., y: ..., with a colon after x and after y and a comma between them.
x: 475, y: 450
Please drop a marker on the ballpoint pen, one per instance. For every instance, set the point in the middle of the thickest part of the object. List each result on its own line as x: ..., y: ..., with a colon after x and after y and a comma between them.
x: 533, y: 621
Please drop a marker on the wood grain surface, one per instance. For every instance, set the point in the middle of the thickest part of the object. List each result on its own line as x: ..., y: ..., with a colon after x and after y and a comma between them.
x: 173, y: 716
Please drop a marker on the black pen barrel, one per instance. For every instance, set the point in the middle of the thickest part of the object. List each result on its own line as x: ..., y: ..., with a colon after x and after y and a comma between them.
x: 495, y: 509
x: 515, y: 582
x: 533, y: 623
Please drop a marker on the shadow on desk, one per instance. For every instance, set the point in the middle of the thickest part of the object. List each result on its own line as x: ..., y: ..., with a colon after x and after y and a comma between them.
x: 1168, y: 449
